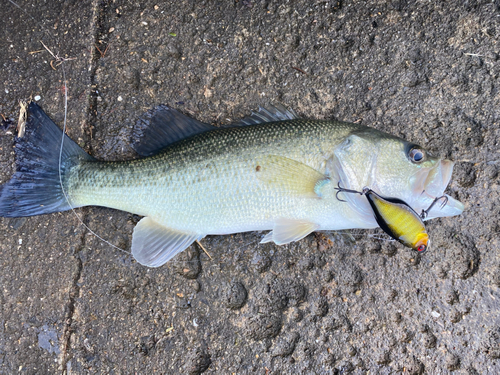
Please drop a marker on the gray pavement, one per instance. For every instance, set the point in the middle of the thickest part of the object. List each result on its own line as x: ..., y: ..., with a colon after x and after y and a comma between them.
x: 331, y: 303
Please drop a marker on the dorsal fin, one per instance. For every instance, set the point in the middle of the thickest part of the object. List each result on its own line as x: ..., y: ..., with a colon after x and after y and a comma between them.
x: 161, y: 127
x: 271, y: 113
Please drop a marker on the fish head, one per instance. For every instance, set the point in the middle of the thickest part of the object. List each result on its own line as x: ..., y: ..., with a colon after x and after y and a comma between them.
x: 393, y: 167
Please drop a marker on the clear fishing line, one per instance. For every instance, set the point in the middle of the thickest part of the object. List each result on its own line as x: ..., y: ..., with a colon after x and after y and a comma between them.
x: 61, y: 61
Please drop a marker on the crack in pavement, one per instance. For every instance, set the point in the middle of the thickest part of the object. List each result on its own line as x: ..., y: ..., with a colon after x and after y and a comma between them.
x: 101, y: 42
x: 74, y: 292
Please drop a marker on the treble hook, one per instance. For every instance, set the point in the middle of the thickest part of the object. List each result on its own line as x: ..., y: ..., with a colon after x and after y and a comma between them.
x: 424, y: 213
x: 342, y: 190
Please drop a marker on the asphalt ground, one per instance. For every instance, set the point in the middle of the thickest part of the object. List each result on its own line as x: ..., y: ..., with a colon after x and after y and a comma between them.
x: 332, y: 303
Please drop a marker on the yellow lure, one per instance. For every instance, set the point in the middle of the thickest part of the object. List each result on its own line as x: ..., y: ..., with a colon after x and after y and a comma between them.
x: 399, y: 220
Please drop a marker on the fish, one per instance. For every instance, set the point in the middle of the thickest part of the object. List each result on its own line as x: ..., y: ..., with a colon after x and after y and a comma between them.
x: 269, y: 171
x: 396, y: 218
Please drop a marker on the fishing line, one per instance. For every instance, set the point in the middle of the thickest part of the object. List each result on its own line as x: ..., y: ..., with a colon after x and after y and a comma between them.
x: 61, y: 62
x: 60, y: 162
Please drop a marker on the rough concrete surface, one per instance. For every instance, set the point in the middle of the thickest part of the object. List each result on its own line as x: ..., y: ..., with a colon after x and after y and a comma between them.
x: 427, y: 71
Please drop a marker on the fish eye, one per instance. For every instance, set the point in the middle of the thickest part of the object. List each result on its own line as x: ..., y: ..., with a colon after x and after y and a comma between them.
x: 422, y: 249
x: 416, y: 155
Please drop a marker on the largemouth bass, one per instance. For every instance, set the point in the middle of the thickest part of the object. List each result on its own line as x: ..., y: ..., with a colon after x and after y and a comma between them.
x: 271, y: 171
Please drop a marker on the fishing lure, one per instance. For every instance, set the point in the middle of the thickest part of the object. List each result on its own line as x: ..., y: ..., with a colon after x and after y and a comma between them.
x: 397, y: 218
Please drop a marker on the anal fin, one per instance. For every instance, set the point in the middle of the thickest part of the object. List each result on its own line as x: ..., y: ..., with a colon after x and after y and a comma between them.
x: 153, y: 244
x: 289, y: 230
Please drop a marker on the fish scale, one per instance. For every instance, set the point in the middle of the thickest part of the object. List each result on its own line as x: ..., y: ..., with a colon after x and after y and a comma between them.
x: 208, y: 182
x: 271, y: 171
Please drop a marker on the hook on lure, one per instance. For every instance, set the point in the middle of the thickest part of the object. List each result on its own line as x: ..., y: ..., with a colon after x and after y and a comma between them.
x: 424, y: 213
x: 342, y: 190
x: 397, y: 218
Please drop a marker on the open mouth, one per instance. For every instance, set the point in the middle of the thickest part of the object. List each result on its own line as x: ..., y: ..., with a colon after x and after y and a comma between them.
x: 433, y: 186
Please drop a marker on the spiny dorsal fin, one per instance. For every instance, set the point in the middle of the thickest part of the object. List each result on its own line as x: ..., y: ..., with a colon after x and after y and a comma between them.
x: 271, y: 113
x: 161, y: 127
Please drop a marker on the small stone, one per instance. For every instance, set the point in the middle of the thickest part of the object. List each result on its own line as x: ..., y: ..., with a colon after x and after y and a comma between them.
x: 406, y: 336
x: 414, y: 367
x: 410, y: 79
x: 492, y: 344
x: 452, y: 362
x: 235, y: 295
x: 389, y: 249
x: 286, y: 346
x: 330, y: 360
x: 261, y: 262
x: 306, y: 263
x: 265, y: 326
x: 188, y: 264
x: 490, y: 171
x: 423, y: 328
x: 430, y: 340
x: 147, y: 345
x: 196, y: 285
x: 198, y: 362
x: 373, y: 247
x: 396, y: 317
x: 345, y: 367
x: 173, y: 51
x: 472, y: 371
x: 435, y: 314
x: 442, y: 271
x: 321, y: 307
x: 455, y: 316
x: 37, y: 98
x: 297, y: 315
x: 452, y: 297
x: 384, y: 358
x: 183, y: 304
x: 327, y: 276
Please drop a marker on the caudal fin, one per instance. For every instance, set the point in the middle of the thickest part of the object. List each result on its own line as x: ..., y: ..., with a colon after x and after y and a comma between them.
x: 35, y: 188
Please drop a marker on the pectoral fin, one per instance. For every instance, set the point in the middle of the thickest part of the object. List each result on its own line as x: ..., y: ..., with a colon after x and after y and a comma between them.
x: 290, y: 176
x: 289, y: 230
x: 153, y: 245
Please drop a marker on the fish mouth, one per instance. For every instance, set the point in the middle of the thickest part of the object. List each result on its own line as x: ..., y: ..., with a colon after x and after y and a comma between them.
x: 432, y: 185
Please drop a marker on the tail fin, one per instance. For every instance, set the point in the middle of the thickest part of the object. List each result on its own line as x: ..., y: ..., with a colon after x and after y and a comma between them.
x: 35, y: 188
